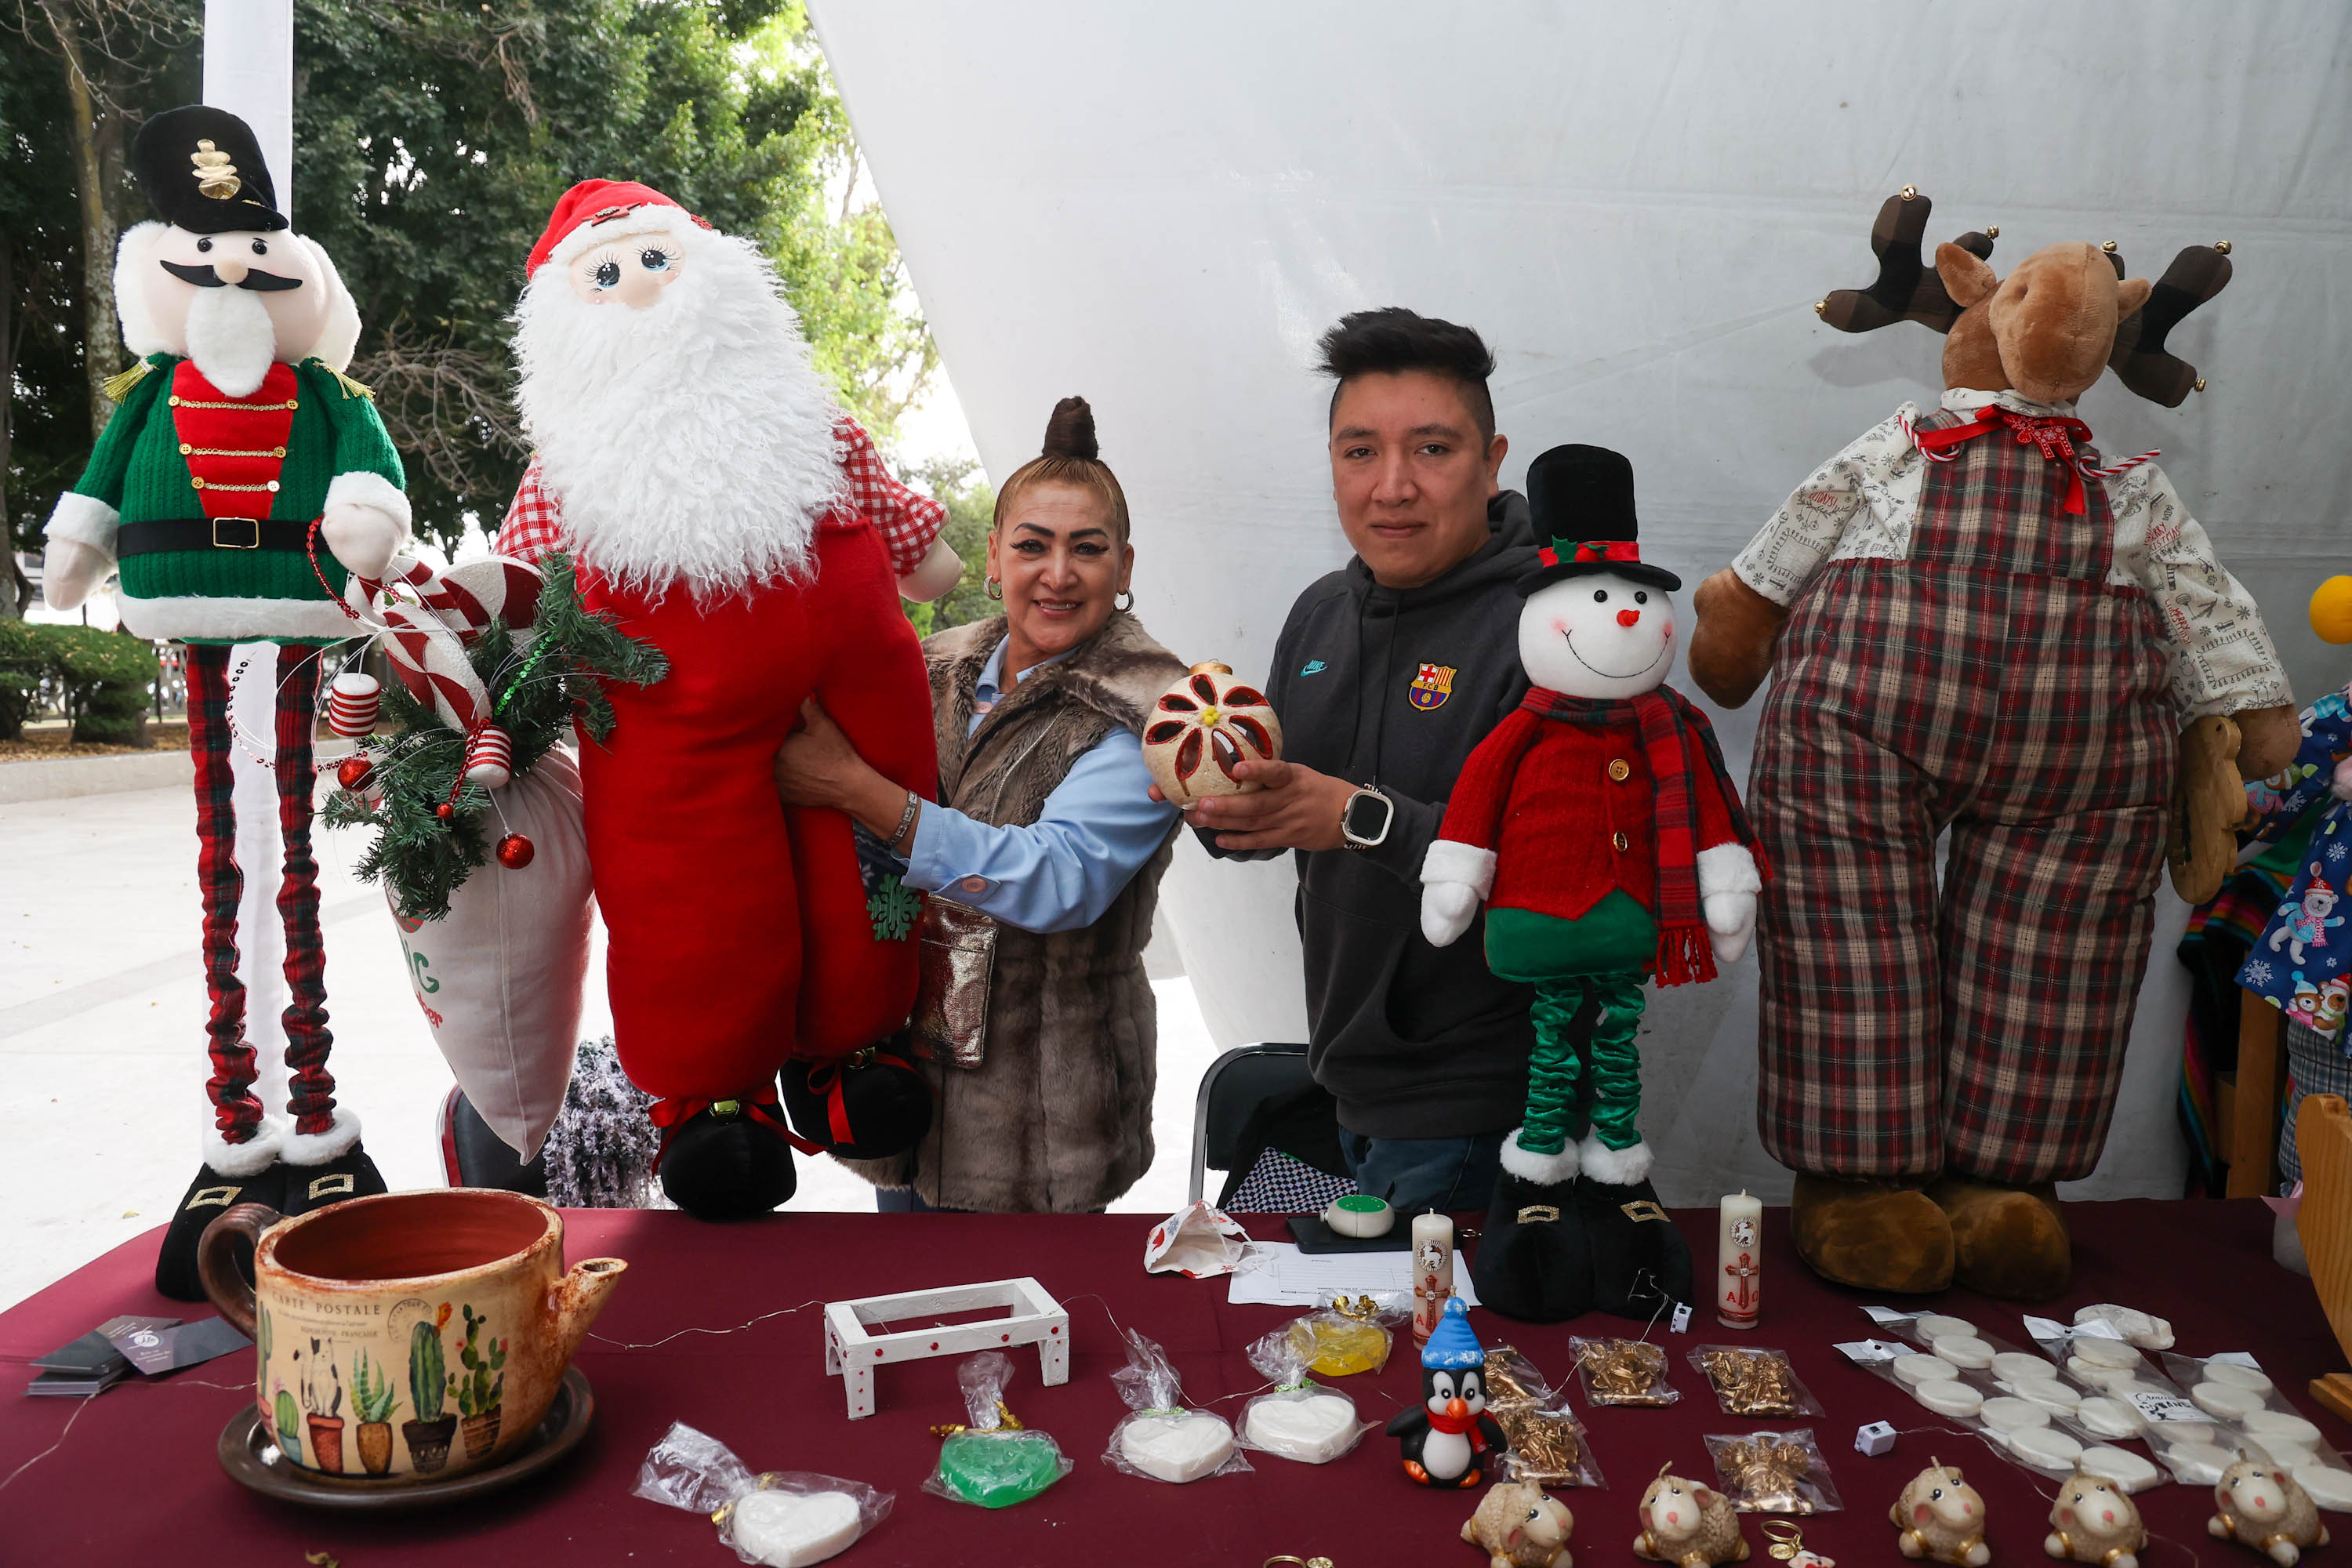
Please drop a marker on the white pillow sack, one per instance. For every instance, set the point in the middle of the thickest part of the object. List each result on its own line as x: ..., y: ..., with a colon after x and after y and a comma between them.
x: 502, y: 976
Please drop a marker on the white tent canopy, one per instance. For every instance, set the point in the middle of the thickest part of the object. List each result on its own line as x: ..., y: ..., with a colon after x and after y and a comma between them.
x: 1161, y: 208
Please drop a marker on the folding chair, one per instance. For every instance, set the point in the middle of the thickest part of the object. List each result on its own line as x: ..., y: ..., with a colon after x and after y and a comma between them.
x: 1262, y: 1119
x: 474, y: 1156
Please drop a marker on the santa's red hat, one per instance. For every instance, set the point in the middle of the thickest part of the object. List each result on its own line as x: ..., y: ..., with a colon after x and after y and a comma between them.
x: 593, y: 210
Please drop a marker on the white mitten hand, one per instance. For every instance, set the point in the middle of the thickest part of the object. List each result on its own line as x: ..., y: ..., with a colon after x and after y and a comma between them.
x: 940, y: 570
x: 70, y: 570
x: 1446, y: 909
x: 1730, y: 922
x: 2339, y: 783
x: 363, y: 537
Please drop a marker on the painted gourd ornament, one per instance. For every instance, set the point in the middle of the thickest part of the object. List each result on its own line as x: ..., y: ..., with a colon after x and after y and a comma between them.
x: 1204, y: 727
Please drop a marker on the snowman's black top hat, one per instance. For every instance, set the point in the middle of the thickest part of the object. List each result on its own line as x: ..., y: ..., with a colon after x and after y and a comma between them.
x: 1582, y: 499
x: 201, y: 170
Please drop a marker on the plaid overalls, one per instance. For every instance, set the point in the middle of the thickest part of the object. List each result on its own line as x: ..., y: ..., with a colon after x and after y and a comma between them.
x: 1995, y: 686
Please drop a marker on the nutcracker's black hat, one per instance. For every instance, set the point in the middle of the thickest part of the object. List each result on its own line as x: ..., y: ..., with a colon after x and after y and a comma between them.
x: 1582, y: 499
x: 201, y: 170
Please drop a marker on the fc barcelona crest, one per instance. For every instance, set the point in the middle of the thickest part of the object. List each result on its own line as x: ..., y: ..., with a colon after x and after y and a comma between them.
x: 1432, y: 686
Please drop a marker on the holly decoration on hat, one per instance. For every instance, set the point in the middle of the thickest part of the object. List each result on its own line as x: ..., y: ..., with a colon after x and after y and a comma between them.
x: 429, y: 838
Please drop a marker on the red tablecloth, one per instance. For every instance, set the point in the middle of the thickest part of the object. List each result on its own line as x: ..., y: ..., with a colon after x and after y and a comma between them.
x: 135, y: 1481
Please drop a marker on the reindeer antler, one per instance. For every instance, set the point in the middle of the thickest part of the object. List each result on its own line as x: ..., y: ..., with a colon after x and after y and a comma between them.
x: 2139, y: 360
x: 1907, y: 288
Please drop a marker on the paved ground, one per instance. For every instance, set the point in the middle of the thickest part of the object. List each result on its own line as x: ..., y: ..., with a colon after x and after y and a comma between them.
x: 101, y: 1041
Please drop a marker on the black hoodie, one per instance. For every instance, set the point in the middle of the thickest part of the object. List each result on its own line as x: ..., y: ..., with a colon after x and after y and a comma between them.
x: 1414, y: 1041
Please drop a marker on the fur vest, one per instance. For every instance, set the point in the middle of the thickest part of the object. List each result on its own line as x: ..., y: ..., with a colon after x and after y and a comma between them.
x: 1058, y: 1116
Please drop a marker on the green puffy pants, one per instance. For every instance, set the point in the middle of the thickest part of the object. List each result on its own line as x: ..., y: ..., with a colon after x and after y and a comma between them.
x: 1585, y: 1072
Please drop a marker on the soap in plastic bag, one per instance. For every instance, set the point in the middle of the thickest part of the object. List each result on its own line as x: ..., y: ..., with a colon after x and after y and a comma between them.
x: 783, y: 1518
x: 1301, y: 1419
x: 993, y: 1461
x: 1158, y: 1437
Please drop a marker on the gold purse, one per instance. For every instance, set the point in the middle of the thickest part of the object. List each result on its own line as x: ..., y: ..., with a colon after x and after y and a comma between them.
x: 958, y: 945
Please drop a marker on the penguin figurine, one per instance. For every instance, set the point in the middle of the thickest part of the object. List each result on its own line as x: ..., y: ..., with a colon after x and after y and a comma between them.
x: 1443, y: 1438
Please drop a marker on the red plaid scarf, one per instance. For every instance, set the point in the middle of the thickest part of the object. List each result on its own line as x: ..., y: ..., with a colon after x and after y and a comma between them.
x: 1677, y: 741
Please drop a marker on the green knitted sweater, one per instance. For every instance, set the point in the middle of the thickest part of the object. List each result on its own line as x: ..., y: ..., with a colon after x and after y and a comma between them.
x: 138, y: 468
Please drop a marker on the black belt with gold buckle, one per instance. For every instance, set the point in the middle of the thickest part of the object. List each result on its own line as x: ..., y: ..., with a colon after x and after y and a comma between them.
x: 211, y: 533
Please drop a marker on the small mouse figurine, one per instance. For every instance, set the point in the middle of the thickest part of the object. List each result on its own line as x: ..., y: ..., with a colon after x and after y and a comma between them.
x: 1688, y: 1523
x: 2095, y: 1520
x: 1519, y: 1527
x: 1445, y: 1436
x: 1942, y: 1517
x: 2267, y: 1508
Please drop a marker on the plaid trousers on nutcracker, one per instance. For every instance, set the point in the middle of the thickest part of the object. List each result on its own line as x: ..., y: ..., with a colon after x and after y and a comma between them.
x: 310, y: 1097
x: 1994, y: 686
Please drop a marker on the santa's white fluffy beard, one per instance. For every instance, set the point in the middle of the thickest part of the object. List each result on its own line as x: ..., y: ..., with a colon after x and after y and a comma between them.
x: 688, y: 443
x: 232, y: 339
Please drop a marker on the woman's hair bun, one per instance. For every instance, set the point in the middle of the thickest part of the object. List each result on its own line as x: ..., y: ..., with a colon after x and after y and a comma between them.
x: 1070, y: 432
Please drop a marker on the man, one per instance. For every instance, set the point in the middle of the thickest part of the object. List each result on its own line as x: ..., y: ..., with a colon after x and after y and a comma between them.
x: 1388, y: 673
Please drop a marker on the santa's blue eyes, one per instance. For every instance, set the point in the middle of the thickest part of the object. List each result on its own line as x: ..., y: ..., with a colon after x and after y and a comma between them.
x: 608, y: 275
x: 653, y: 261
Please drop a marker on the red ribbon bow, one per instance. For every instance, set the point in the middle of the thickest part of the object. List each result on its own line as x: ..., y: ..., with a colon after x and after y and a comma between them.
x: 2054, y: 435
x: 763, y: 1105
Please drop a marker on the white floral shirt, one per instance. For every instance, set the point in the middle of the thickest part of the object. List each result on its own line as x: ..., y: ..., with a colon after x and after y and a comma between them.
x: 1859, y: 506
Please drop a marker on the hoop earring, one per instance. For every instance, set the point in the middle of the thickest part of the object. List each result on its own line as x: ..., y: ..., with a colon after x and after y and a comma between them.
x: 1128, y: 595
x: 994, y: 589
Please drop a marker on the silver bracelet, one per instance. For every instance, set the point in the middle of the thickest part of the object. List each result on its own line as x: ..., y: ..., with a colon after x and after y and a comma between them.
x: 906, y: 820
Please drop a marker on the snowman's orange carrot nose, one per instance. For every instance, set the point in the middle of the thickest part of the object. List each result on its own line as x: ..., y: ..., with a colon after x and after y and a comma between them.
x: 1627, y: 617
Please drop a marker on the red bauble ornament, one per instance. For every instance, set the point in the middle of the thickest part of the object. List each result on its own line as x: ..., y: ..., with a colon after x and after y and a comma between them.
x: 353, y: 771
x: 515, y: 851
x: 445, y: 811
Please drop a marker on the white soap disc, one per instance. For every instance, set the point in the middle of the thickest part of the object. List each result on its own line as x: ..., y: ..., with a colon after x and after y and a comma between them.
x: 2109, y: 1418
x: 2293, y: 1456
x: 1949, y: 1397
x: 1963, y: 1351
x: 2101, y: 1351
x: 1316, y: 1429
x: 2229, y: 1403
x: 2198, y: 1464
x: 2183, y: 1431
x: 2021, y: 1366
x: 786, y: 1530
x: 2049, y: 1394
x: 2237, y: 1376
x: 2012, y: 1415
x: 2117, y: 1381
x: 2041, y: 1446
x: 1935, y: 1325
x: 2121, y: 1466
x: 2123, y: 1385
x: 1176, y: 1448
x: 1924, y: 1369
x: 2146, y: 1329
x: 2269, y: 1423
x: 2330, y: 1489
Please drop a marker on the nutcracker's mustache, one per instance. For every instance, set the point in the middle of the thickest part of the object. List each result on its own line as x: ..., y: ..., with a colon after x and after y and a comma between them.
x: 203, y: 277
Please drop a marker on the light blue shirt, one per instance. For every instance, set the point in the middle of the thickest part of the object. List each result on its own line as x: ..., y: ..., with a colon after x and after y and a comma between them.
x: 1061, y: 872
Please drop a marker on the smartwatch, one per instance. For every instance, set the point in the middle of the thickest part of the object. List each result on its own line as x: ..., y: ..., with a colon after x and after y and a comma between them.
x: 1364, y: 820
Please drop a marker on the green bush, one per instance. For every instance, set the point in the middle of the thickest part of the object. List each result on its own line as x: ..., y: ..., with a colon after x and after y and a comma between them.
x: 109, y: 678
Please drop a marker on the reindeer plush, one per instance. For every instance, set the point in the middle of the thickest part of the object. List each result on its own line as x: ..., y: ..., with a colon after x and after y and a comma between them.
x: 1977, y: 628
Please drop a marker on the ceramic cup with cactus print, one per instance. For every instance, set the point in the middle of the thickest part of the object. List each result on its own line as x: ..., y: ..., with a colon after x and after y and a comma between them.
x: 408, y: 1335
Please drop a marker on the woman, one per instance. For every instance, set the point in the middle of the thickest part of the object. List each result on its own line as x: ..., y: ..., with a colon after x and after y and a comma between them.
x: 1046, y: 825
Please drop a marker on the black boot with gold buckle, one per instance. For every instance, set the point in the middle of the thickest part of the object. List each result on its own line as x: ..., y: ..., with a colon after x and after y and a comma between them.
x: 350, y: 1175
x: 1534, y: 1261
x: 1640, y: 1264
x: 869, y: 1105
x: 209, y: 1197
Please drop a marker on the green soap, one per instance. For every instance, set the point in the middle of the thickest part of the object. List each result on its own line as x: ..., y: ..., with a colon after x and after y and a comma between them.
x: 997, y: 1469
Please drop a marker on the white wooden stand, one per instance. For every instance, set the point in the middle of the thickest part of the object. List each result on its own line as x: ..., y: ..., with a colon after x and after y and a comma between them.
x: 1033, y: 1317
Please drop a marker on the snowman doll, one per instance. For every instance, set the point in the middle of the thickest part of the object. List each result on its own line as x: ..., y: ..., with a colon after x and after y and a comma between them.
x: 1599, y: 829
x: 1445, y: 1437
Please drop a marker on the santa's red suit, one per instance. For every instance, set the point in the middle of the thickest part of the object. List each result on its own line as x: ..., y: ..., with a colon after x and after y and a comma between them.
x: 743, y: 934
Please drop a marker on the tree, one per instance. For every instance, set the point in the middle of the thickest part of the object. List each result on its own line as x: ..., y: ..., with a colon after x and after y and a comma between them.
x: 432, y: 137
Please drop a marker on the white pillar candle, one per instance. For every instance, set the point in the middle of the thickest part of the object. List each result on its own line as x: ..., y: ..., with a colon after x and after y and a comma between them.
x: 1740, y: 1284
x: 1432, y: 1270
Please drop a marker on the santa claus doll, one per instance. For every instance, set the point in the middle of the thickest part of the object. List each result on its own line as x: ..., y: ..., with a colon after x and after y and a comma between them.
x: 241, y: 480
x: 719, y: 504
x: 1599, y: 827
